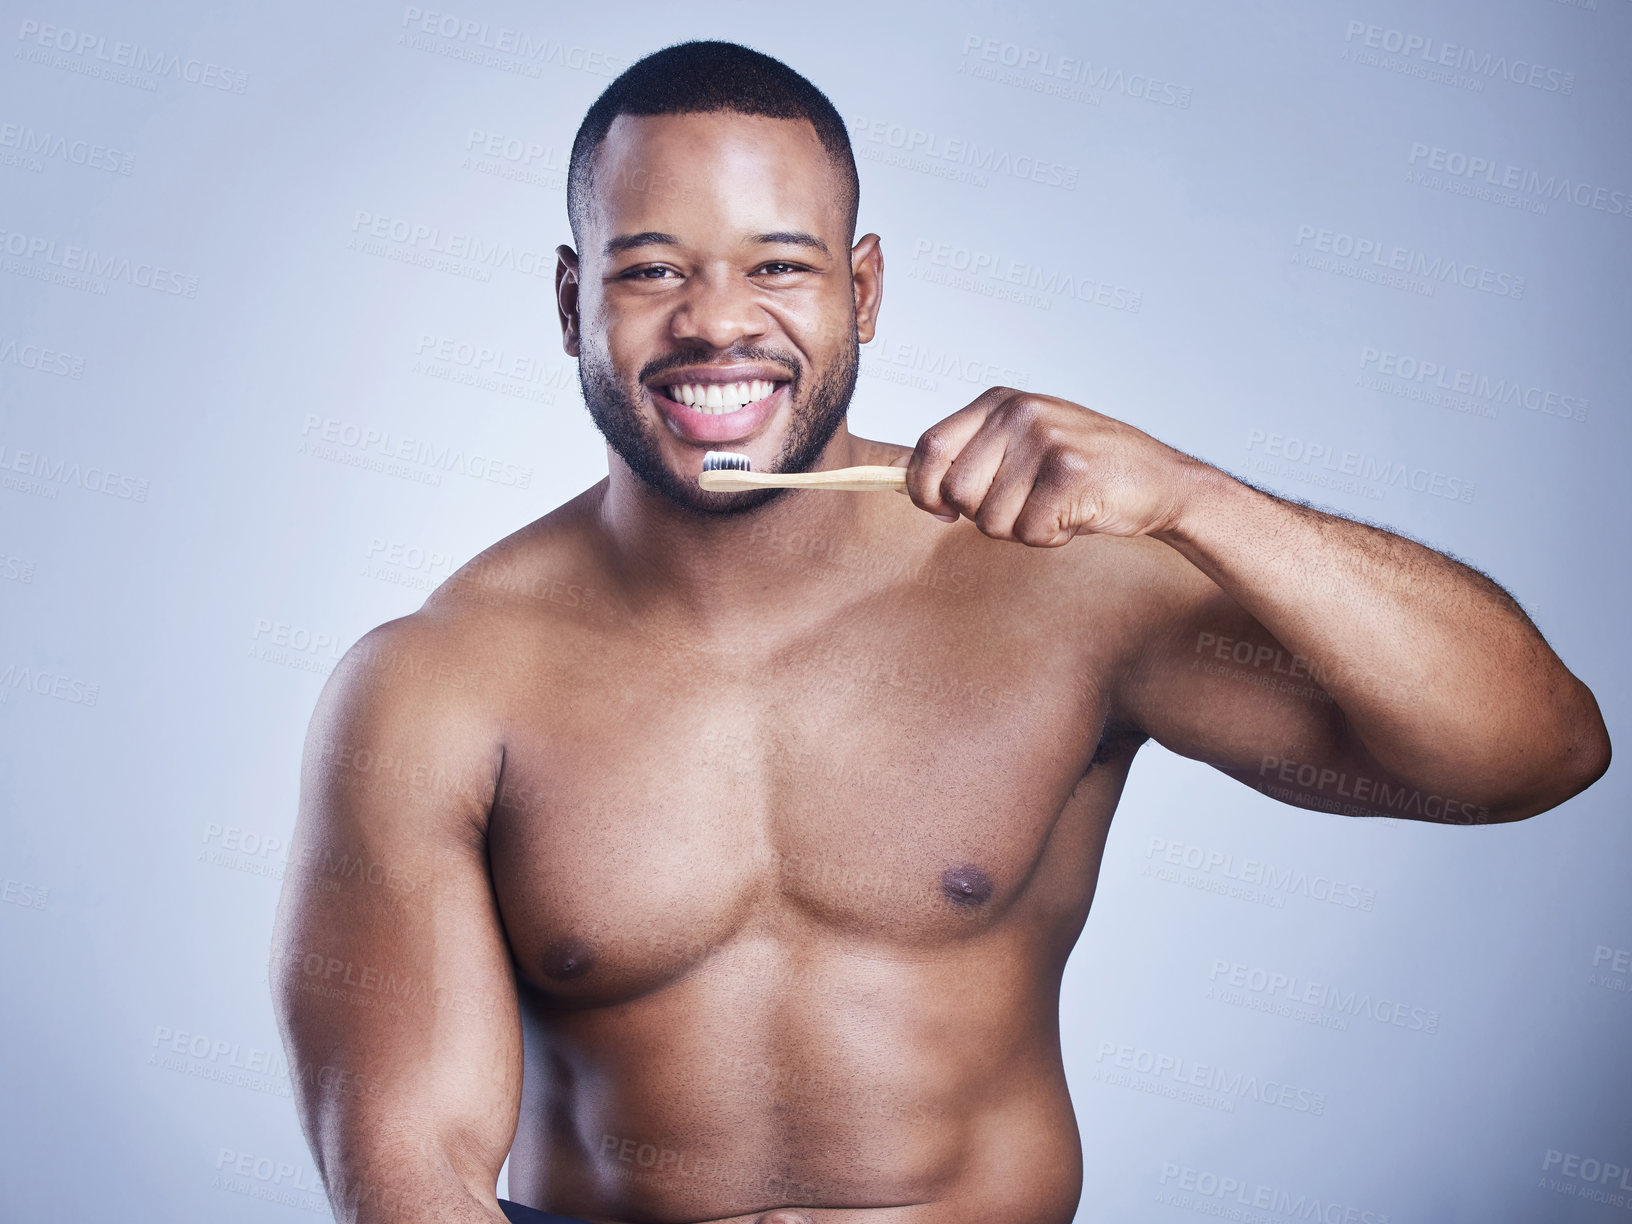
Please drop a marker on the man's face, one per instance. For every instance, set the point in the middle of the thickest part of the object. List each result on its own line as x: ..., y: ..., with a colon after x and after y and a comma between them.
x: 715, y: 304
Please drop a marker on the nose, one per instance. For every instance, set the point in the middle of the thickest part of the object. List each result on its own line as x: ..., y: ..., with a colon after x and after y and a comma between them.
x: 718, y: 310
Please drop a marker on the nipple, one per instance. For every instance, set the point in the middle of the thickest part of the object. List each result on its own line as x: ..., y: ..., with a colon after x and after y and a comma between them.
x: 967, y: 886
x: 566, y: 959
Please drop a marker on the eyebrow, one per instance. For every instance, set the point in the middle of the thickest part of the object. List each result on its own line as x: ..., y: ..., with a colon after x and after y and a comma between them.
x: 628, y: 242
x: 794, y: 238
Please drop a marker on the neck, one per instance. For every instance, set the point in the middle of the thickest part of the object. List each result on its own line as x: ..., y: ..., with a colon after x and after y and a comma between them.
x: 725, y: 568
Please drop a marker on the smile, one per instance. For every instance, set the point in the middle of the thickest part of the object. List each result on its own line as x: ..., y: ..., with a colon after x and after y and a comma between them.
x: 719, y: 399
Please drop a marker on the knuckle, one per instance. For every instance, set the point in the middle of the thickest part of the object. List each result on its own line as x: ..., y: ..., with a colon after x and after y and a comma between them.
x: 1042, y: 530
x: 934, y: 447
x: 1065, y: 468
x: 1055, y: 435
x: 988, y: 528
x: 962, y: 494
x: 986, y: 519
x: 1021, y: 411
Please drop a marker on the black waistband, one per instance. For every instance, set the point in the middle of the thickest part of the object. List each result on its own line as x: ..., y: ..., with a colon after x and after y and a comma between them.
x: 518, y: 1214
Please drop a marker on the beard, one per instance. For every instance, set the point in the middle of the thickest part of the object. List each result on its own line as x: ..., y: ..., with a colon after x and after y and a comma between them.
x: 817, y: 415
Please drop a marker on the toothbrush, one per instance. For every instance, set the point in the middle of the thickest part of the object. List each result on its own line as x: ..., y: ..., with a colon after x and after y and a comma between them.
x: 727, y: 471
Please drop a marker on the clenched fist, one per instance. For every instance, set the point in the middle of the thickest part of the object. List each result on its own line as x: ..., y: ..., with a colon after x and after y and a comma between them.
x: 1038, y: 470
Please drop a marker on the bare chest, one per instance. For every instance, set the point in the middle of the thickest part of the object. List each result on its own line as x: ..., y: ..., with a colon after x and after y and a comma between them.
x: 657, y: 808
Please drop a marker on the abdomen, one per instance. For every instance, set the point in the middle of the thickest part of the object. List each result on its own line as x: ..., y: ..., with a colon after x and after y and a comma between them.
x: 787, y: 1072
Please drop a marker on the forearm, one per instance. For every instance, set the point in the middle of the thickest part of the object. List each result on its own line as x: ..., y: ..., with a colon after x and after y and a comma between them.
x: 1440, y: 679
x: 1439, y: 674
x: 404, y: 1180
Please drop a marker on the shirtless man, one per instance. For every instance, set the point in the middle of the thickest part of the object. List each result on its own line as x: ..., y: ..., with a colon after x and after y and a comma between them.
x: 716, y: 856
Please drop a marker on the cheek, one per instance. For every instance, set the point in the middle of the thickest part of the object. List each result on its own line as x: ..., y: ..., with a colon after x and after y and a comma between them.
x: 821, y: 331
x: 625, y: 341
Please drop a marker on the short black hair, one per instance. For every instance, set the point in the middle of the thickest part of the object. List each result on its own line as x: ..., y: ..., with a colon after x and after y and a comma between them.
x: 692, y: 78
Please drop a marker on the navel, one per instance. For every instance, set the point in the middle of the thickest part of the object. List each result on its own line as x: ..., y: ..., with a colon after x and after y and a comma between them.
x: 566, y: 959
x: 968, y: 886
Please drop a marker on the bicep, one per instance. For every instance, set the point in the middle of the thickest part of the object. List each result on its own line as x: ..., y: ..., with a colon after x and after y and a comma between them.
x: 390, y: 968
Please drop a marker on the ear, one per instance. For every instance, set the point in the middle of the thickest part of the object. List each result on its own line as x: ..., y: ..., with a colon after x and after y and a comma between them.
x: 566, y: 297
x: 867, y: 282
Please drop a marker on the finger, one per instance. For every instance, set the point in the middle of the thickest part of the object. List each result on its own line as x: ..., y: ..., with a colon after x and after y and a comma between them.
x: 1011, y: 489
x: 939, y: 447
x: 968, y: 482
x: 1063, y: 494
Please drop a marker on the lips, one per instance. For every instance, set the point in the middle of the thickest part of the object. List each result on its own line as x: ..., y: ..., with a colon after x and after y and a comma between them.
x: 704, y: 404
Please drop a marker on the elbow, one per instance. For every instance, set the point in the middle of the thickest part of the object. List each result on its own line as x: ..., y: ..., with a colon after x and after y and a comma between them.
x: 1589, y: 754
x: 1582, y: 758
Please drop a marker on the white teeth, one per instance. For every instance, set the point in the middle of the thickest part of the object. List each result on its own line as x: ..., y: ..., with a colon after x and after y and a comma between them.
x: 715, y: 399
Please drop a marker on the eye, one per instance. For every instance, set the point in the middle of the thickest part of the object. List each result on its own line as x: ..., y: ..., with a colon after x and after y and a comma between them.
x: 779, y: 267
x: 647, y: 272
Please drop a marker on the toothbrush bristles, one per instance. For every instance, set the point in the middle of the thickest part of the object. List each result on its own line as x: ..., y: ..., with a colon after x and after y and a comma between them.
x: 726, y: 461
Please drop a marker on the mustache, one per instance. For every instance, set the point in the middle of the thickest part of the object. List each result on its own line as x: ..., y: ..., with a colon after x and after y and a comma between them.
x: 710, y: 356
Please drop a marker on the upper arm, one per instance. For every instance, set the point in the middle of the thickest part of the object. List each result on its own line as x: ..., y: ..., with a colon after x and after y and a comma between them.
x: 1208, y: 681
x: 390, y: 970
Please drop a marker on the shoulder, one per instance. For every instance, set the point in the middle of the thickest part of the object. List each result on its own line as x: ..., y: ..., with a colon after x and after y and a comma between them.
x: 439, y: 687
x: 417, y: 661
x: 407, y: 701
x: 550, y: 564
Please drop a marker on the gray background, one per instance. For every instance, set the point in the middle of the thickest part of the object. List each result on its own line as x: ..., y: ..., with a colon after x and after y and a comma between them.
x: 183, y: 556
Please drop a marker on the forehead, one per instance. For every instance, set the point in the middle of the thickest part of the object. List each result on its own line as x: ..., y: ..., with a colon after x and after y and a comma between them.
x: 714, y: 177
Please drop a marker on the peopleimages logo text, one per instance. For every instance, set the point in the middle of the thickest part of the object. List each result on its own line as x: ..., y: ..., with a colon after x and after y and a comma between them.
x: 72, y: 258
x: 1464, y: 59
x: 1509, y: 177
x: 1290, y: 987
x: 1412, y: 263
x: 964, y: 152
x: 984, y: 267
x: 1495, y: 392
x: 1075, y: 71
x: 1223, y: 1196
x: 133, y: 56
x: 504, y: 40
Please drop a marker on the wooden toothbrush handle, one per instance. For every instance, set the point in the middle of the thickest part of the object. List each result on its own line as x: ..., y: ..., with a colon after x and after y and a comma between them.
x: 859, y: 479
